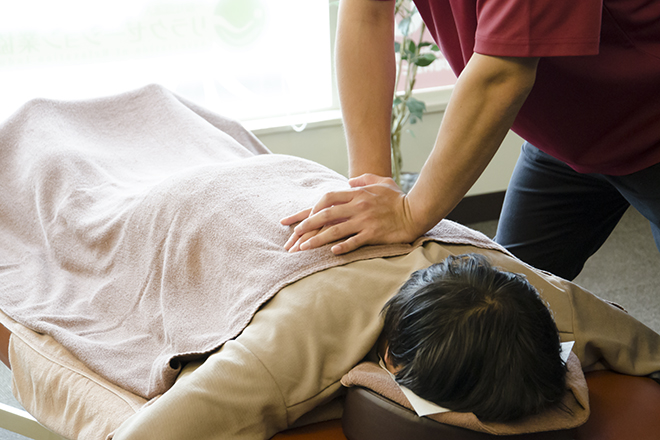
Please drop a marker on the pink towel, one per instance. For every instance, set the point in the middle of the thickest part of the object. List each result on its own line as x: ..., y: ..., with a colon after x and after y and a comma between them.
x: 139, y: 230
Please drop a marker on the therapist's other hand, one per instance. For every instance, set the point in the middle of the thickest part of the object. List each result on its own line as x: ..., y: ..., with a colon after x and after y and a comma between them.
x: 373, y: 211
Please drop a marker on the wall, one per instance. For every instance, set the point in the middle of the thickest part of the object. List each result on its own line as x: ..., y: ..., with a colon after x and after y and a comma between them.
x: 324, y: 142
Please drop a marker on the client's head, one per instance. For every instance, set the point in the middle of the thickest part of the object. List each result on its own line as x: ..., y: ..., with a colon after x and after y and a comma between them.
x: 473, y: 338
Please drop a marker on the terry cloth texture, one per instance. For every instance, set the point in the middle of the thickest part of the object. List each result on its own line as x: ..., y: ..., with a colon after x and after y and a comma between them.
x: 141, y: 230
x: 575, y: 410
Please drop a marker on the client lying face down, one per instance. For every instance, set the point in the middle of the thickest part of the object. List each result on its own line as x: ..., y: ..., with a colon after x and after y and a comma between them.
x: 472, y: 338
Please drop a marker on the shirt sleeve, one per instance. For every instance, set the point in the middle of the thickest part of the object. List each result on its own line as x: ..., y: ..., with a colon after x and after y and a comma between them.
x: 538, y: 28
x: 230, y: 396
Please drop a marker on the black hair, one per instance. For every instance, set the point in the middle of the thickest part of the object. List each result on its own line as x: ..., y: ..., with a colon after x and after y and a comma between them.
x: 473, y: 338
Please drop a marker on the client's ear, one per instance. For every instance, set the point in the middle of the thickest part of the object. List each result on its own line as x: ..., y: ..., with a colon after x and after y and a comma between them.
x: 388, y: 361
x: 382, y: 348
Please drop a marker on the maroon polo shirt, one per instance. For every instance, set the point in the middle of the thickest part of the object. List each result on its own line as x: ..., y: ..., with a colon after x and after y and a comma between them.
x: 596, y: 101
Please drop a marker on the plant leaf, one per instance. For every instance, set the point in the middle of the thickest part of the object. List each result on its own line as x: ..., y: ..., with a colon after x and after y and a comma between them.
x: 404, y: 25
x: 425, y: 59
x: 397, y: 47
x: 412, y: 47
x: 416, y: 108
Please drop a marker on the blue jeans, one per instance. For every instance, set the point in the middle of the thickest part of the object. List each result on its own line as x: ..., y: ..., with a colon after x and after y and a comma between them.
x: 555, y: 218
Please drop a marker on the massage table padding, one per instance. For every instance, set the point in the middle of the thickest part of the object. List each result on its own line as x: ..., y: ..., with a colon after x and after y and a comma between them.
x: 72, y: 400
x: 369, y: 416
x: 622, y: 407
x: 328, y: 430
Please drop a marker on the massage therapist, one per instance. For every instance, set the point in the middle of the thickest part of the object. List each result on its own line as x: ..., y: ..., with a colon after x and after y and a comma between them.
x: 579, y: 81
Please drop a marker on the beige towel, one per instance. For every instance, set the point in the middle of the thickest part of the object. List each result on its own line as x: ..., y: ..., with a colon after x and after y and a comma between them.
x: 371, y: 376
x: 139, y: 230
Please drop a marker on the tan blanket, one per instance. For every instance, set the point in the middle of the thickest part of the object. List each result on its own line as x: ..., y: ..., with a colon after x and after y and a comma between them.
x: 139, y: 230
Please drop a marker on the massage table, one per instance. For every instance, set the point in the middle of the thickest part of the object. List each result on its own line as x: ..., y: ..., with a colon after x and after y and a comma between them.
x: 622, y: 407
x: 293, y: 378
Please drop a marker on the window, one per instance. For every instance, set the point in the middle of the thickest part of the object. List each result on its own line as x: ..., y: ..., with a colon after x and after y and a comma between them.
x: 438, y: 73
x: 247, y: 59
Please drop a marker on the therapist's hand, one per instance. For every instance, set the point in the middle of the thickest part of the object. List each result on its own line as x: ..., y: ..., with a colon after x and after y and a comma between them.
x: 294, y: 242
x: 373, y: 211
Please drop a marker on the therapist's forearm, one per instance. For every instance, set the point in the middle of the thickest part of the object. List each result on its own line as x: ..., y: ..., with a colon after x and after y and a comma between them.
x: 365, y: 75
x: 483, y: 106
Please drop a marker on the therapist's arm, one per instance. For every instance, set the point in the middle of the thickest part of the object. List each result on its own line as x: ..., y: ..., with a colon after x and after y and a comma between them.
x: 366, y: 69
x: 487, y: 97
x: 483, y: 107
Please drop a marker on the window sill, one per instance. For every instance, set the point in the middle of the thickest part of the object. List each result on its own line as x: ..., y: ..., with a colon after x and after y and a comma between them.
x: 436, y: 99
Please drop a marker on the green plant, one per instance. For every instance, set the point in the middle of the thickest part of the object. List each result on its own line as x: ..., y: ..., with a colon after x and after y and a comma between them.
x: 412, y: 52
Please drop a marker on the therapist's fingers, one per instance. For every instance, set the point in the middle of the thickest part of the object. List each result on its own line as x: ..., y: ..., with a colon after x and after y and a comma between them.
x: 328, y: 200
x: 327, y: 219
x: 296, y: 246
x: 324, y: 213
x: 377, y: 214
x: 348, y: 245
x: 331, y: 199
x: 293, y: 241
x: 355, y: 237
x: 332, y: 215
x: 329, y: 235
x: 297, y: 217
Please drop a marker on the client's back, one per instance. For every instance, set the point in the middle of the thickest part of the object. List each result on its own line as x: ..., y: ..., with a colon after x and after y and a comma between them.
x: 473, y: 338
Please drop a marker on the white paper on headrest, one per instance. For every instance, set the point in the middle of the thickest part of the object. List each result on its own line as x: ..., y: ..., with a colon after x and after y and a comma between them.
x: 421, y: 406
x: 565, y: 350
x: 424, y: 407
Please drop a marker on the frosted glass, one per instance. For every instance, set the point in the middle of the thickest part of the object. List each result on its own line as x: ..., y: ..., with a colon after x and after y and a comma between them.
x: 243, y: 58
